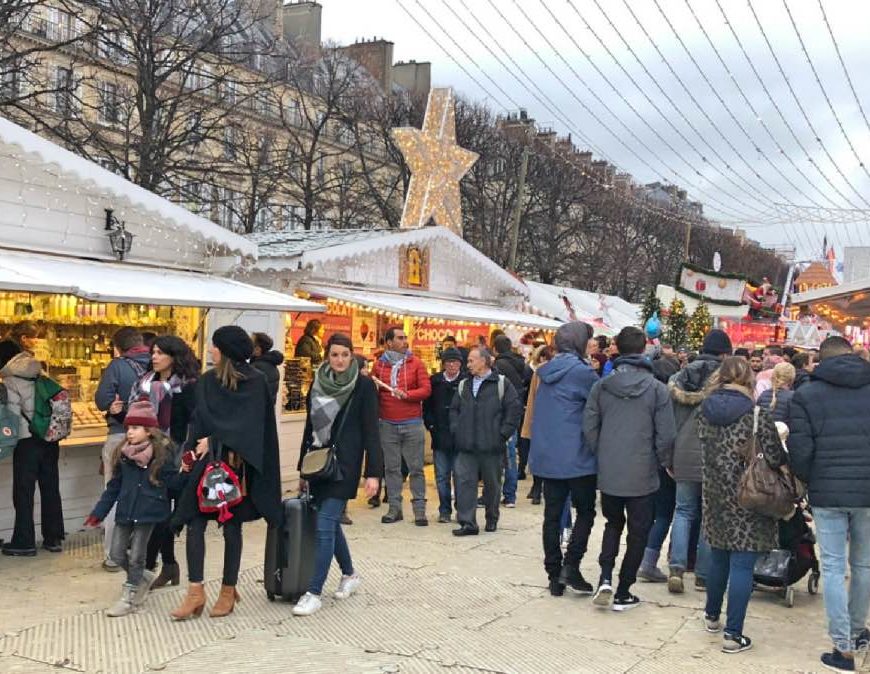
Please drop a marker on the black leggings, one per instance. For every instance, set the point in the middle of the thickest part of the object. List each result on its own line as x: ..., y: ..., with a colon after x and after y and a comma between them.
x: 162, y: 541
x: 196, y: 549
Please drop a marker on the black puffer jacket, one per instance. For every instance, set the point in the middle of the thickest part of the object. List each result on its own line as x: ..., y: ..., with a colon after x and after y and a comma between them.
x: 783, y: 403
x: 830, y: 433
x: 482, y: 424
x: 268, y: 364
x: 518, y: 372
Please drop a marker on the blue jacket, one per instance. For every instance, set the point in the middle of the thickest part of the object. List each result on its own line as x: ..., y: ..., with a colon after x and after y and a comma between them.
x: 558, y: 450
x: 119, y: 378
x: 139, y: 501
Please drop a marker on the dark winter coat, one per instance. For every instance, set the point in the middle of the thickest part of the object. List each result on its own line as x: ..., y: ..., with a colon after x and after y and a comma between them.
x: 687, y: 392
x: 268, y: 364
x: 628, y: 424
x: 243, y: 422
x: 309, y: 347
x: 514, y: 367
x: 783, y: 403
x: 801, y: 377
x: 725, y: 427
x: 665, y: 367
x: 358, y: 442
x: 558, y: 450
x: 436, y: 412
x: 829, y: 443
x: 482, y: 424
x: 138, y: 500
x: 119, y: 378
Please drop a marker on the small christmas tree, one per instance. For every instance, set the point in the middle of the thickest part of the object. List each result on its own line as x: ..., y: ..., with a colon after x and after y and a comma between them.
x: 699, y: 325
x: 676, y: 333
x: 651, y: 305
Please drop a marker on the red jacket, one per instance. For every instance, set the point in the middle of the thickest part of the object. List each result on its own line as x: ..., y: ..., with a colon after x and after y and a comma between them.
x: 413, y: 379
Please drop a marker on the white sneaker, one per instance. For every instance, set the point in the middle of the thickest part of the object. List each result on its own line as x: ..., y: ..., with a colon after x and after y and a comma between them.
x: 347, y: 586
x: 124, y: 605
x: 604, y: 596
x: 307, y: 604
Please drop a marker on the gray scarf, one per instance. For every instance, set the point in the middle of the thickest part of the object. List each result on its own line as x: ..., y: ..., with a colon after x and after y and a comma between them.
x: 395, y: 359
x: 329, y: 393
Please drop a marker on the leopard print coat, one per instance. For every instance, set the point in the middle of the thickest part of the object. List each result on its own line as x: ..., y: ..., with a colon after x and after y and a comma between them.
x: 727, y: 526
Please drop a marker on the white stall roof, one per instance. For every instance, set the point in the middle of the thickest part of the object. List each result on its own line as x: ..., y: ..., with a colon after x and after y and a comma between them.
x: 432, y: 307
x: 608, y: 313
x: 81, y: 174
x: 123, y: 282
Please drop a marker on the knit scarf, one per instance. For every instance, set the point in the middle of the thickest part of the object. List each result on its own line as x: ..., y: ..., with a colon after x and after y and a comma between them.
x: 329, y: 393
x: 395, y: 359
x: 140, y: 453
x: 160, y: 394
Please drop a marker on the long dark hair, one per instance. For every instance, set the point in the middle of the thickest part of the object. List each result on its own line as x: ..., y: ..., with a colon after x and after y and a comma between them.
x: 184, y: 363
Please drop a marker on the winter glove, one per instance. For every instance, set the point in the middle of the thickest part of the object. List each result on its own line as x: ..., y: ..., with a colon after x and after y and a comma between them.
x: 92, y: 521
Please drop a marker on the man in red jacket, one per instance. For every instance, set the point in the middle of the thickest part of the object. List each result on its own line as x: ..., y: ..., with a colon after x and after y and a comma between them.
x: 403, y: 384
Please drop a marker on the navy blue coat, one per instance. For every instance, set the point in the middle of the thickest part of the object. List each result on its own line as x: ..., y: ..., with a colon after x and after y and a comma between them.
x: 829, y: 443
x: 138, y: 500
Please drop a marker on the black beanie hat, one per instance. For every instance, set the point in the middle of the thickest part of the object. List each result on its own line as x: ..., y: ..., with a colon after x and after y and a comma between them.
x: 451, y: 353
x: 717, y: 343
x: 233, y: 342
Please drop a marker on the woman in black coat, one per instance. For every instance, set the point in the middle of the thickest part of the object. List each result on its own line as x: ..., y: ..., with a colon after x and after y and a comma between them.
x: 342, y: 412
x: 170, y: 386
x: 234, y: 422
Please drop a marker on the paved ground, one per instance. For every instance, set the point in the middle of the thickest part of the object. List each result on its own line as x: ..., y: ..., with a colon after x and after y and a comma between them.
x: 429, y: 603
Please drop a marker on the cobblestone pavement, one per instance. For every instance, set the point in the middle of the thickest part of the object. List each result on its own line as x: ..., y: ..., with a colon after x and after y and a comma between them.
x: 429, y: 603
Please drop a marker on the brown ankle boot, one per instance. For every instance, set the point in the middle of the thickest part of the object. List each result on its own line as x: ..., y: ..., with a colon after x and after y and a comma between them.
x: 169, y: 575
x: 193, y: 603
x: 225, y: 603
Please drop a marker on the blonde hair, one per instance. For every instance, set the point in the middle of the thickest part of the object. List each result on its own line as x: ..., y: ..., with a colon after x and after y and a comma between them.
x: 782, y: 378
x: 734, y: 371
x: 161, y: 445
x: 227, y: 374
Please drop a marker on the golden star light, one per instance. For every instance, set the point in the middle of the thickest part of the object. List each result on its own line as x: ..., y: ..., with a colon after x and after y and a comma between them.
x: 437, y: 165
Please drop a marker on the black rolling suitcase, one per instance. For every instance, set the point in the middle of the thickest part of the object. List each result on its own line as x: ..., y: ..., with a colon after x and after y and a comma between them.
x: 290, y: 549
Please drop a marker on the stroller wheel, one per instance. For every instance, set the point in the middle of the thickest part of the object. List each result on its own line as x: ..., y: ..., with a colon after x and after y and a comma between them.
x: 813, y: 584
x: 789, y: 597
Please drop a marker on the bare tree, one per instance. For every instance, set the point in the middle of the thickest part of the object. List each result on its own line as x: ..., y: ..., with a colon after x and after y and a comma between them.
x: 31, y: 31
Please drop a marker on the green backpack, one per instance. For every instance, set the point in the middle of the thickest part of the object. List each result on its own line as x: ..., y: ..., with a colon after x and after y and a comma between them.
x: 8, y: 425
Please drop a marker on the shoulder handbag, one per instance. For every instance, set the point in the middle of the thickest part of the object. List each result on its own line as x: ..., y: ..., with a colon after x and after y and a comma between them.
x: 763, y: 490
x: 321, y: 465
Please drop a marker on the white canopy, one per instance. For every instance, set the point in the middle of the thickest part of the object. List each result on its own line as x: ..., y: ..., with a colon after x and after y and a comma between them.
x: 123, y: 282
x: 432, y: 307
x: 608, y: 313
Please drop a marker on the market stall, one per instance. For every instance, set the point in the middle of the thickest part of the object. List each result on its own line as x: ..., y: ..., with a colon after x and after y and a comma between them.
x: 427, y: 280
x: 84, y: 252
x: 839, y: 309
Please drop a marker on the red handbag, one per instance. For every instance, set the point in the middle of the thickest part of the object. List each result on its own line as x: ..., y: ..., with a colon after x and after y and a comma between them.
x: 218, y: 490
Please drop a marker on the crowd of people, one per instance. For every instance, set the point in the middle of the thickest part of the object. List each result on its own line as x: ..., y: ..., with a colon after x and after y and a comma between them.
x: 658, y: 438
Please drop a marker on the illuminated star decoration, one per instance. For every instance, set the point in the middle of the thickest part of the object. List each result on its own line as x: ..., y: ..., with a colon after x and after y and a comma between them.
x: 437, y: 165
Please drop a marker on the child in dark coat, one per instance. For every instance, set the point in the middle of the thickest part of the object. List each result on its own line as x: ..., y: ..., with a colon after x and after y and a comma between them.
x: 142, y: 472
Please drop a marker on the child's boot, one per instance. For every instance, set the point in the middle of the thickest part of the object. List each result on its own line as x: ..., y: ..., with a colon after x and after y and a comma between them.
x: 124, y: 605
x: 170, y: 574
x: 193, y: 603
x: 225, y: 603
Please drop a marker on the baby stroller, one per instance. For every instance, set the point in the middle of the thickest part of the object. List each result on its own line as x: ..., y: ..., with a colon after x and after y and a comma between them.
x: 780, y: 569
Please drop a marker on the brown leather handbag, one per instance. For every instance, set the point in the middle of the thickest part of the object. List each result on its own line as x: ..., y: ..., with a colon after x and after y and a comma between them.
x: 764, y: 490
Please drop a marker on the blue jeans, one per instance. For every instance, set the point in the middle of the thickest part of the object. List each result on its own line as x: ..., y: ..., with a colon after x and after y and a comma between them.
x: 665, y: 502
x: 330, y: 542
x: 688, y: 511
x: 509, y: 489
x: 734, y: 570
x: 444, y: 477
x: 837, y: 529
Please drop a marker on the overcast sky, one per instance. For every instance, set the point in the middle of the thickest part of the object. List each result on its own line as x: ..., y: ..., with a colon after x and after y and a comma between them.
x: 796, y: 166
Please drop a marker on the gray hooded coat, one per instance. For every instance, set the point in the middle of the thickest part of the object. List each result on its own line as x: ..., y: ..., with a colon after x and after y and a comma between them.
x: 19, y: 376
x: 629, y: 424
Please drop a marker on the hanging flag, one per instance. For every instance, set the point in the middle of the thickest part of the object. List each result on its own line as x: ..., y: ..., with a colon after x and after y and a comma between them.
x: 831, y: 258
x: 825, y: 247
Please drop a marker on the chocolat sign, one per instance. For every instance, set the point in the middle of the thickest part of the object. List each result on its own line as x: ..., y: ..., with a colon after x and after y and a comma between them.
x: 429, y: 334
